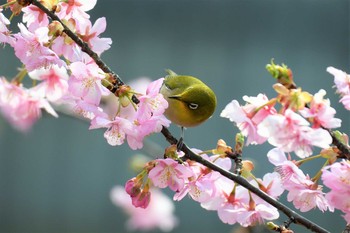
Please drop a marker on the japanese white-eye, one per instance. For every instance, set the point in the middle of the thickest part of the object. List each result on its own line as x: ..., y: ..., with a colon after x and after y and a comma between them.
x: 191, y: 101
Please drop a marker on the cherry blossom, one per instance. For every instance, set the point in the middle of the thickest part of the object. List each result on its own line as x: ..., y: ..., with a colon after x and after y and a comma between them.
x: 271, y: 184
x: 320, y: 112
x: 341, y: 80
x: 76, y: 9
x: 345, y: 100
x: 152, y: 103
x: 302, y: 191
x: 65, y: 46
x: 82, y: 108
x: 249, y: 116
x: 233, y: 205
x: 337, y: 176
x: 306, y: 195
x: 54, y: 83
x: 5, y: 36
x: 149, y: 117
x: 201, y: 187
x: 291, y: 132
x: 257, y: 213
x: 31, y: 50
x: 169, y: 173
x: 133, y: 187
x: 285, y: 167
x: 34, y: 17
x: 85, y: 82
x: 158, y: 214
x: 22, y: 107
x: 117, y: 129
x: 342, y: 83
x: 90, y: 35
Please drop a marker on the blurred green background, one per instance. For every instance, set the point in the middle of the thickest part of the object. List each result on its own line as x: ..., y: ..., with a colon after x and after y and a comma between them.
x: 57, y: 178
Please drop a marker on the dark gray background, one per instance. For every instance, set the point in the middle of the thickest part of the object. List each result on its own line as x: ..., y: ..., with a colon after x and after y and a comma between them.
x: 57, y: 178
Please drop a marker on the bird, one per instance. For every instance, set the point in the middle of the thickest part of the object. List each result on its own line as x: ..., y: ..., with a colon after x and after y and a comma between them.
x: 190, y: 101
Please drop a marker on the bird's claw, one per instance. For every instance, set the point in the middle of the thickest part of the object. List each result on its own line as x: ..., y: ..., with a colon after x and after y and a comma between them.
x: 179, y: 144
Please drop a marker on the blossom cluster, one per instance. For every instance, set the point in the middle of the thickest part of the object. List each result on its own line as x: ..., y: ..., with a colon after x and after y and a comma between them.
x: 337, y: 177
x: 299, y: 124
x: 342, y: 84
x: 62, y: 74
x: 158, y: 214
x: 232, y: 202
x: 294, y: 128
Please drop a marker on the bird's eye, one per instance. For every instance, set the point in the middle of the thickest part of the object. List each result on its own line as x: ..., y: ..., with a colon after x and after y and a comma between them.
x: 193, y: 106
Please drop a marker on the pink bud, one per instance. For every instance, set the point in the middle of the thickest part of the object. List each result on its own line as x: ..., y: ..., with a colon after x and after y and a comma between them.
x: 142, y: 200
x: 132, y: 188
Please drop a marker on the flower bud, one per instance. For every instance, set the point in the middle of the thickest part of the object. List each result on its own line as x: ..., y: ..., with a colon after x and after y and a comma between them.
x: 50, y: 4
x: 142, y: 200
x: 132, y: 187
x: 222, y: 147
x: 239, y: 143
x: 248, y: 165
x: 330, y: 153
x: 124, y: 93
x: 282, y: 73
x: 16, y: 7
x: 342, y: 137
x: 55, y: 29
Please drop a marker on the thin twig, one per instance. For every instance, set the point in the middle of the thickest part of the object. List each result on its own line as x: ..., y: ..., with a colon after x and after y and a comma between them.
x: 343, y: 148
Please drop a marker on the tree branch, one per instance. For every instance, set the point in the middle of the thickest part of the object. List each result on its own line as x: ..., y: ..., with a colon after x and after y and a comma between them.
x: 341, y: 146
x: 172, y: 140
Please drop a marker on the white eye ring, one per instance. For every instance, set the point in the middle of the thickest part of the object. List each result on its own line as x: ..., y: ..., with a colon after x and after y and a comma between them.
x: 193, y: 106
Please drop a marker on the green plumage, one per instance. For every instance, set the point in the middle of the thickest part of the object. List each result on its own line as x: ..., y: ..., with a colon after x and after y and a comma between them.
x: 191, y: 101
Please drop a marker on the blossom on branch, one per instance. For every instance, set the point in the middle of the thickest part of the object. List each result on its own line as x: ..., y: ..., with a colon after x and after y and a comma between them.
x: 248, y: 117
x: 54, y: 83
x: 291, y: 132
x: 133, y: 122
x: 31, y: 49
x: 342, y: 84
x: 34, y: 17
x: 302, y: 191
x: 5, y: 35
x: 341, y: 80
x: 320, y: 113
x: 90, y: 34
x: 117, y: 129
x: 76, y: 10
x: 85, y: 82
x: 158, y: 214
x: 22, y: 107
x: 233, y: 203
x: 337, y: 178
x: 169, y: 173
x: 202, y: 186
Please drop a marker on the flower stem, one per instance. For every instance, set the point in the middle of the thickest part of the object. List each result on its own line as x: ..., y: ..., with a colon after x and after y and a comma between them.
x: 20, y: 76
x: 270, y: 102
x: 8, y: 4
x: 309, y: 159
x: 319, y: 173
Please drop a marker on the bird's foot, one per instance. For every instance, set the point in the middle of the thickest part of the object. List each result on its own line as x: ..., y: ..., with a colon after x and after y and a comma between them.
x: 180, y: 143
